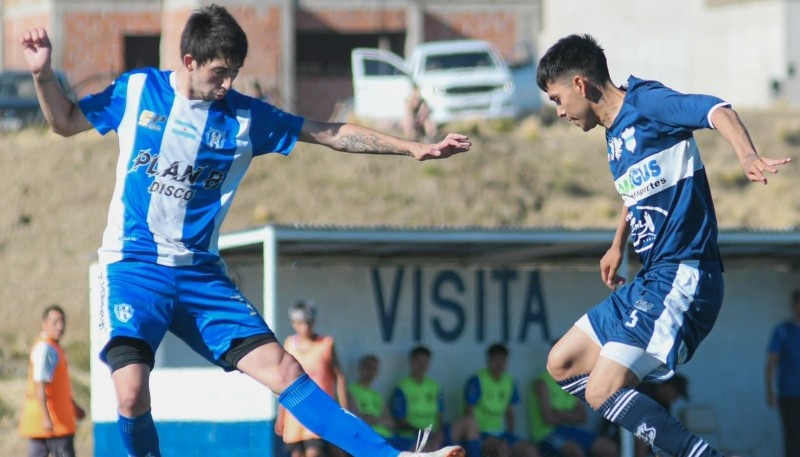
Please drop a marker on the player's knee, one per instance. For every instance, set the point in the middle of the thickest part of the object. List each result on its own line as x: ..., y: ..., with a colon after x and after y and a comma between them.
x: 558, y: 365
x: 597, y: 393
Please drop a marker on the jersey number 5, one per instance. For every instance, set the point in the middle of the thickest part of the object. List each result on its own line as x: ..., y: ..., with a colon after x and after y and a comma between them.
x: 632, y: 319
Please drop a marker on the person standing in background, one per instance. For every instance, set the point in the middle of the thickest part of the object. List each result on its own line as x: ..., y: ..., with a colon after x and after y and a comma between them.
x: 49, y: 411
x: 317, y: 355
x: 784, y: 355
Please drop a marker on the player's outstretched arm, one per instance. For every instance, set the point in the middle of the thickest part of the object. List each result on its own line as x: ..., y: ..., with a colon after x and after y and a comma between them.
x: 63, y: 115
x: 357, y: 139
x: 727, y: 122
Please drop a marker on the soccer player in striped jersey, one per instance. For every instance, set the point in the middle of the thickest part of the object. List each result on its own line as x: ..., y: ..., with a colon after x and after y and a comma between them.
x: 650, y: 327
x: 186, y: 139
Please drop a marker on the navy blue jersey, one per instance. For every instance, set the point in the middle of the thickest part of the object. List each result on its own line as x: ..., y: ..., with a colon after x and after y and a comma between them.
x: 180, y: 164
x: 785, y: 343
x: 659, y: 174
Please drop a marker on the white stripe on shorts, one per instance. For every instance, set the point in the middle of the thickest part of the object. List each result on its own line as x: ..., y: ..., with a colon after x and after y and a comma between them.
x: 676, y: 303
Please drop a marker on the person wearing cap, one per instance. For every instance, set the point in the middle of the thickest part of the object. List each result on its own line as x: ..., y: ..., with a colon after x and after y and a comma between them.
x: 317, y: 355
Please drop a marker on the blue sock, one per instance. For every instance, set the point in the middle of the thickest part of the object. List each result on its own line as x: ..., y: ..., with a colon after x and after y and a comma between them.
x: 576, y: 386
x: 319, y: 412
x: 139, y: 435
x: 645, y: 418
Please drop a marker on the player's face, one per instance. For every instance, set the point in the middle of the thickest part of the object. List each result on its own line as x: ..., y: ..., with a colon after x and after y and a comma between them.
x: 497, y: 364
x: 53, y: 325
x: 569, y: 95
x: 303, y: 328
x: 368, y: 370
x: 212, y: 80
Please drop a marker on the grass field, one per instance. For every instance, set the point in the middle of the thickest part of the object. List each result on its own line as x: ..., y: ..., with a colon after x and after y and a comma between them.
x: 57, y: 192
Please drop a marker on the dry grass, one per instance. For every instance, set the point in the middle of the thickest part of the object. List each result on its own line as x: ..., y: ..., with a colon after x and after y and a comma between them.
x: 57, y: 190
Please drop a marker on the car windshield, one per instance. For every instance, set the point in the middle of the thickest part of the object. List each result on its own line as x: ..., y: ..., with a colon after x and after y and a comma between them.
x: 459, y: 61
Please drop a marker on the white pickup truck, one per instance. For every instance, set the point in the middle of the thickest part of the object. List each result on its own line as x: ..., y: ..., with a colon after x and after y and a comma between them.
x: 459, y: 79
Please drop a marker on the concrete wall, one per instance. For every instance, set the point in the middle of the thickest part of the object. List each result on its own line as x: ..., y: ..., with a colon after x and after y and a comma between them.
x: 730, y: 49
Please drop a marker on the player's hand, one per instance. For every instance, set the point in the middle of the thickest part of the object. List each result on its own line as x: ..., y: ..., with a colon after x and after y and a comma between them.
x: 453, y: 143
x: 609, y: 265
x: 755, y: 167
x: 36, y: 48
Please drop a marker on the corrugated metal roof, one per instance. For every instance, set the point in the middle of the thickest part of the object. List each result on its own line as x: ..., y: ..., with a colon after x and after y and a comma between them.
x: 553, y: 246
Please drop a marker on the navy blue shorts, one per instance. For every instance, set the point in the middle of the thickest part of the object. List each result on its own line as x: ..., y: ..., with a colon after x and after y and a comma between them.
x: 657, y: 322
x: 199, y: 304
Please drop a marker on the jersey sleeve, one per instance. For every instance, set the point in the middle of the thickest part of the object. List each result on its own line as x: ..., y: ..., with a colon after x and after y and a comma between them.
x: 776, y: 341
x: 44, y: 359
x: 472, y: 391
x: 514, y: 395
x: 398, y: 404
x: 273, y: 130
x: 662, y: 104
x: 105, y: 109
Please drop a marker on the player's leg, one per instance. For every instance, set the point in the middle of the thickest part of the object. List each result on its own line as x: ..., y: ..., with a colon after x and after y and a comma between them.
x: 610, y: 391
x: 136, y: 312
x: 242, y: 340
x: 573, y: 357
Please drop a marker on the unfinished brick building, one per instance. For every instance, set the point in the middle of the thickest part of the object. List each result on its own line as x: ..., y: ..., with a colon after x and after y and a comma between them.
x: 297, y: 47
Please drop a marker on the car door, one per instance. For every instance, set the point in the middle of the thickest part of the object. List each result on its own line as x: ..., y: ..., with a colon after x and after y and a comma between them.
x: 381, y: 84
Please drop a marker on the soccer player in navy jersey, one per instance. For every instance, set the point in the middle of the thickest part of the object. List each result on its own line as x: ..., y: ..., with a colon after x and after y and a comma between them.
x: 648, y: 328
x: 185, y: 141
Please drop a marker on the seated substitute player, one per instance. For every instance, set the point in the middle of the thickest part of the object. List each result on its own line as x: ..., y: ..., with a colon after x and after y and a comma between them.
x: 366, y: 402
x: 649, y: 328
x: 186, y: 139
x: 490, y: 396
x: 555, y: 420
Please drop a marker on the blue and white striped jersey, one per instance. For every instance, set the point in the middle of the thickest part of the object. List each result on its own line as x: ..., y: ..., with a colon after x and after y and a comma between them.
x: 180, y: 164
x: 659, y: 174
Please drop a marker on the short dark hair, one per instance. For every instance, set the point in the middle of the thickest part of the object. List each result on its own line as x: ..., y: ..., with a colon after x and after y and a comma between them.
x: 50, y: 309
x: 367, y: 358
x: 573, y: 54
x: 497, y: 349
x: 212, y: 33
x: 419, y: 350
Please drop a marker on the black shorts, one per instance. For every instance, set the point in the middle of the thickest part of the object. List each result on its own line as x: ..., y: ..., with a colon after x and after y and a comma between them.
x: 61, y: 446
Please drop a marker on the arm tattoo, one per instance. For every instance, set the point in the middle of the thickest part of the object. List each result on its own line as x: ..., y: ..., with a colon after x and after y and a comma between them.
x: 366, y: 143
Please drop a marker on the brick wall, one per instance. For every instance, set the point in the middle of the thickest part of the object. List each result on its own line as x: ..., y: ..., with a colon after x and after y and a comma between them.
x: 499, y: 27
x: 94, y: 43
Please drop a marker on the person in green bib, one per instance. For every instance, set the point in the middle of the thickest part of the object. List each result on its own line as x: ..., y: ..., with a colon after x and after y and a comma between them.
x: 554, y: 419
x: 418, y: 403
x: 366, y: 402
x: 490, y: 396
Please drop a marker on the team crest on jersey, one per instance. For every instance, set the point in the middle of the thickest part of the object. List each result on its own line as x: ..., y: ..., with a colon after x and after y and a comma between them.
x: 151, y: 120
x: 646, y: 434
x: 123, y: 312
x: 215, y: 139
x: 614, y: 149
x: 629, y: 139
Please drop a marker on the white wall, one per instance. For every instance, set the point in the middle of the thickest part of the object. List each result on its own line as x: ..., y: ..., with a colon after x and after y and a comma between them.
x: 732, y: 51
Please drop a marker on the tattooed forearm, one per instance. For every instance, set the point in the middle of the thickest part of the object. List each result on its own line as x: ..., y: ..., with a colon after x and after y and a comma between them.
x: 366, y: 143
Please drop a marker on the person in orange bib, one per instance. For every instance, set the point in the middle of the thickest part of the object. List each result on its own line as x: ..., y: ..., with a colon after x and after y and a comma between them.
x: 317, y: 355
x: 49, y: 413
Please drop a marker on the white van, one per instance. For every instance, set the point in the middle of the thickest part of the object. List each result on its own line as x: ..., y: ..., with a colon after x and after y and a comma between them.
x: 459, y: 79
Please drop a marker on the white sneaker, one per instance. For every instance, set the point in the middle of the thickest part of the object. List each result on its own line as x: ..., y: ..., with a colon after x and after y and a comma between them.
x: 449, y: 451
x: 422, y: 438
